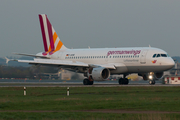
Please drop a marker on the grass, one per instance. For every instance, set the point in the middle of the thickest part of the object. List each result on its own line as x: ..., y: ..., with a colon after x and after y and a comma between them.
x: 87, y: 116
x: 53, y: 103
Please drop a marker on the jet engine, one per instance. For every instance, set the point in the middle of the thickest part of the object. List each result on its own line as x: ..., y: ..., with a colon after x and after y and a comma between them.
x: 158, y: 75
x: 98, y: 74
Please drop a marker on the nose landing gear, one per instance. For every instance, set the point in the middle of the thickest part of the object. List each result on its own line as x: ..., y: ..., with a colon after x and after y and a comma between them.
x: 152, y: 82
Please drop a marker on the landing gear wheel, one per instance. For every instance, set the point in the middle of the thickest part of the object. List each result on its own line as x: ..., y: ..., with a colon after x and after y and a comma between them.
x: 121, y: 81
x: 87, y: 82
x: 91, y: 82
x: 124, y: 81
x: 152, y: 82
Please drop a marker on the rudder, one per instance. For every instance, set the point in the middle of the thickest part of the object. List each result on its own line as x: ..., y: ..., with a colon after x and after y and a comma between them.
x: 51, y: 41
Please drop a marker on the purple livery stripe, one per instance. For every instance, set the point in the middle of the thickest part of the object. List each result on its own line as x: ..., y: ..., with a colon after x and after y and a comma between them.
x: 50, y: 34
x: 43, y: 33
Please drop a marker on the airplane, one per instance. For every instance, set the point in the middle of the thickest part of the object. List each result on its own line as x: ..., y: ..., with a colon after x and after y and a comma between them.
x: 97, y: 64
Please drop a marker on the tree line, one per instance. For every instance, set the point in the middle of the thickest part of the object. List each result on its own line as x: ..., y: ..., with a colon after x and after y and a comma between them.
x: 25, y: 72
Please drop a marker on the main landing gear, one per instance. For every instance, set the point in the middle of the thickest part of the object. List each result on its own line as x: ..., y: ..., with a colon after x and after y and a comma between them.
x: 152, y: 82
x: 87, y: 82
x: 123, y: 81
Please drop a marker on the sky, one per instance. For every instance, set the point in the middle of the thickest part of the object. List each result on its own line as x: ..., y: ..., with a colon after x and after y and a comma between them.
x: 94, y: 23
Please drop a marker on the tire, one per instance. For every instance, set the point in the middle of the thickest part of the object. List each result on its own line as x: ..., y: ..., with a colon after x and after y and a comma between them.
x: 126, y: 81
x: 152, y: 82
x: 91, y: 82
x: 121, y: 81
x: 86, y: 82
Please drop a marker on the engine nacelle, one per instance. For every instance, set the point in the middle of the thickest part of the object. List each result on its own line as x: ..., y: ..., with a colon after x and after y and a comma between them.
x: 158, y: 75
x: 98, y: 74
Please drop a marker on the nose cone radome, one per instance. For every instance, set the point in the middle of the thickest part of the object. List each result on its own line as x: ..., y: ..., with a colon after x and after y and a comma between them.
x: 170, y: 63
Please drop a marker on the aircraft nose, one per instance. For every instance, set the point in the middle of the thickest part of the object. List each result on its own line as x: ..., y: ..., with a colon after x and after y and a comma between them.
x: 171, y: 63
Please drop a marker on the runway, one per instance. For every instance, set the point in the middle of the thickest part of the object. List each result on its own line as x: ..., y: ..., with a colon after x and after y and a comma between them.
x: 73, y: 83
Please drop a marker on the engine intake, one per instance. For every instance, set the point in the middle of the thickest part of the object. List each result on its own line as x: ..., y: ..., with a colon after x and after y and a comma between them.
x: 158, y: 75
x: 99, y: 74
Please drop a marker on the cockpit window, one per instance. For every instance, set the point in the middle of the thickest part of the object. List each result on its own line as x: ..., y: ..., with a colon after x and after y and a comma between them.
x: 158, y: 55
x: 163, y: 55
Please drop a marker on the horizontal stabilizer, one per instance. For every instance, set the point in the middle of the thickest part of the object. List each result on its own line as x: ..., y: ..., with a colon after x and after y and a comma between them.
x: 7, y: 60
x: 31, y: 55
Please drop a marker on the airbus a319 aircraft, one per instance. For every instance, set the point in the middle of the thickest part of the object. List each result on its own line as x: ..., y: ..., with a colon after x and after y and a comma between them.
x: 97, y: 64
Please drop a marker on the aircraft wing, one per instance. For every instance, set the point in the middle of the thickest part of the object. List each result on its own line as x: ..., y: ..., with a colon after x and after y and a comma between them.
x: 65, y: 63
x: 54, y: 62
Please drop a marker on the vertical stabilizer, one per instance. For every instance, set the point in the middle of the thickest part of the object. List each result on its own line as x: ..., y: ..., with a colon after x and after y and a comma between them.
x: 51, y: 41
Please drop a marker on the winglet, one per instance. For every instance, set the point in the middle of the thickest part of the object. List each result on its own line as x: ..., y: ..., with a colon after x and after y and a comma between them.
x: 51, y: 41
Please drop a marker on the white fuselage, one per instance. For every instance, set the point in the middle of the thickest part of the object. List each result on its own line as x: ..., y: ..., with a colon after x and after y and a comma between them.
x: 126, y: 60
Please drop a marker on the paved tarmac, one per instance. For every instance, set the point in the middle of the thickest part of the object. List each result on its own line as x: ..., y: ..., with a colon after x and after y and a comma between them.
x: 72, y: 83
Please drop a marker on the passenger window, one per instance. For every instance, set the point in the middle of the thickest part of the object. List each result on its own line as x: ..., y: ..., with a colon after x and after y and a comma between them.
x: 154, y: 55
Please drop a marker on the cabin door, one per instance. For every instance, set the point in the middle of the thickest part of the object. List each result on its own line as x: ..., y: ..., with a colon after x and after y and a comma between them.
x: 143, y: 57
